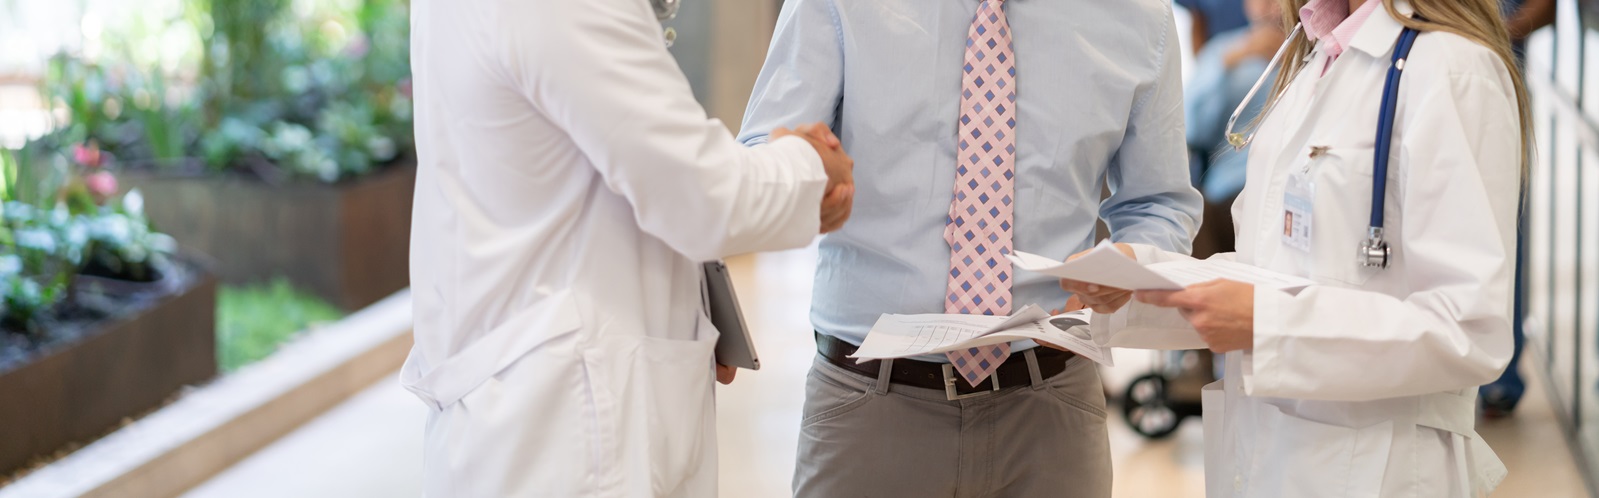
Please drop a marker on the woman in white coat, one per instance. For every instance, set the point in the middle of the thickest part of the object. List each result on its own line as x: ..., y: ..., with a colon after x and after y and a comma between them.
x: 1363, y: 384
x: 568, y: 188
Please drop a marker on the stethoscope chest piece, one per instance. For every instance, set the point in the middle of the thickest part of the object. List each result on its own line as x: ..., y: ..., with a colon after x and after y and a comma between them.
x: 1374, y: 250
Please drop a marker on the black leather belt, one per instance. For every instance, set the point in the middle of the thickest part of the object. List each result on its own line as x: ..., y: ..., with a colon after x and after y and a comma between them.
x: 938, y: 376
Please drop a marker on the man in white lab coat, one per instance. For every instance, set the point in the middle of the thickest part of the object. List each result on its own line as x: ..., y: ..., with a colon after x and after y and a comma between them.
x: 569, y: 187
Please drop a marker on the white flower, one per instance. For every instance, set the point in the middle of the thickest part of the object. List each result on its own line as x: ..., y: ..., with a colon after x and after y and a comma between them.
x: 10, y: 265
x: 317, y: 162
x: 163, y: 243
x: 60, y: 215
x: 30, y: 291
x: 112, y: 229
x: 18, y: 212
x: 296, y: 79
x: 382, y: 148
x: 288, y: 139
x: 134, y: 253
x: 37, y: 239
x: 133, y: 202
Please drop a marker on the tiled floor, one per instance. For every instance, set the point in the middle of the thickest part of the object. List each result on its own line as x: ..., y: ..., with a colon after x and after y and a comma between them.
x: 370, y: 446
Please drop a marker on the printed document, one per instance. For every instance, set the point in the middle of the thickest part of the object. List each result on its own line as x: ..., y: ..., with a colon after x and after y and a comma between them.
x: 1109, y: 267
x: 901, y: 336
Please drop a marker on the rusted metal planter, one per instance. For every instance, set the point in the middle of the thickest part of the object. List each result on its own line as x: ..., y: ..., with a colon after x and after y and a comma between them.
x: 101, y: 371
x: 347, y: 242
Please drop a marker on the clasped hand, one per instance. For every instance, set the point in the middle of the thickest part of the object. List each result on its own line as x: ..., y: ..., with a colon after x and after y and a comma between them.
x: 837, y: 203
x: 839, y: 200
x: 1222, y: 311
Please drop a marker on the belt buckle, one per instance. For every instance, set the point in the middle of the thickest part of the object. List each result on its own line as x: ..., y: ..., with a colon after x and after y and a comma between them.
x: 949, y: 385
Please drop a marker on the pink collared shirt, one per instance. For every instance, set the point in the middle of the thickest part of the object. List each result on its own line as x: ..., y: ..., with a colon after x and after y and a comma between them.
x: 1330, y: 22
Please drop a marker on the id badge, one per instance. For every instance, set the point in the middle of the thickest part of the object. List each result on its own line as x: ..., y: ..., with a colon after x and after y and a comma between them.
x: 1298, y: 198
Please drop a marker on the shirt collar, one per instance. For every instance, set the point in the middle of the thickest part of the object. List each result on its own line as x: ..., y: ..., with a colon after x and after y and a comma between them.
x: 1344, y: 34
x: 1320, y: 17
x: 1377, y: 36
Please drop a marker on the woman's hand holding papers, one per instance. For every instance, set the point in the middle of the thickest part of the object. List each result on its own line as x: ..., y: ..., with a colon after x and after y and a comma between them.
x: 1101, y: 299
x: 1223, y: 311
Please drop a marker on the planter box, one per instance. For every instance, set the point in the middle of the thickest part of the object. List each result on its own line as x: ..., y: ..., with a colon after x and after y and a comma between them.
x: 348, y: 242
x: 78, y: 389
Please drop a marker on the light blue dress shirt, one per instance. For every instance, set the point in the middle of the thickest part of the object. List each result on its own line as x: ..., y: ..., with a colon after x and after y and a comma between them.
x: 1099, y: 101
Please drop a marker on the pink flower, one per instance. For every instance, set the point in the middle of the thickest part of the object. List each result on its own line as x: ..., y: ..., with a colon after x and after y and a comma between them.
x: 101, y: 183
x: 87, y: 154
x: 357, y: 48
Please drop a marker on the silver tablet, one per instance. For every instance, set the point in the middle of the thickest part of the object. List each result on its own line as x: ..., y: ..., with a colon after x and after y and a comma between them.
x: 735, y: 348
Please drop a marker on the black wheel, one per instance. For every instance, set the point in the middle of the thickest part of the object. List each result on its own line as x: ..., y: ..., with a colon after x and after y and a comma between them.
x: 1146, y: 408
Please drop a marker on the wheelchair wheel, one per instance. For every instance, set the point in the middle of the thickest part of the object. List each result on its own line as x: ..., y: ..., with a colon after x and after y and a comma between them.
x: 1146, y: 407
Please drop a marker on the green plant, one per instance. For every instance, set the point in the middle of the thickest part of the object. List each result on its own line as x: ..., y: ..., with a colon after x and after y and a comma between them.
x: 57, y: 216
x: 252, y: 321
x: 330, y: 100
x: 40, y: 250
x: 122, y: 243
x: 261, y: 76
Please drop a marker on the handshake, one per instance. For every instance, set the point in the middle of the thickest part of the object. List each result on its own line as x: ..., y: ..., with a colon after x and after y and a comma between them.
x: 840, y: 197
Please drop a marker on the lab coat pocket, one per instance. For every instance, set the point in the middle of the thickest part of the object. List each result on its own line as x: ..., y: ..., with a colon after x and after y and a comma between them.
x: 1304, y: 458
x: 653, y: 405
x: 1342, y: 212
x: 1218, y: 443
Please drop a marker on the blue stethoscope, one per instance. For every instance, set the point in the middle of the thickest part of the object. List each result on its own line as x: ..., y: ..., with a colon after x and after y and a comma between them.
x: 1374, y: 250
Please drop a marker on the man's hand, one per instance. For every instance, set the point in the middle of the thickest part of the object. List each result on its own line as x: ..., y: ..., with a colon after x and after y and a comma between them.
x: 1223, y: 311
x: 724, y: 373
x: 839, y: 200
x: 1101, y: 299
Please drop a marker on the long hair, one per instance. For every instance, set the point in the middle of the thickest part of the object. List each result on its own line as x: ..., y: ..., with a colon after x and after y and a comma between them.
x: 1476, y: 20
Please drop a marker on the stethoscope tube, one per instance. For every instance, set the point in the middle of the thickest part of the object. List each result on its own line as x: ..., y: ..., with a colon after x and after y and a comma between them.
x: 1374, y: 251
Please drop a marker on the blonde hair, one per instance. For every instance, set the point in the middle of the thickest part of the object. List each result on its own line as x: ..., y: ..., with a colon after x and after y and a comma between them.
x: 1476, y: 20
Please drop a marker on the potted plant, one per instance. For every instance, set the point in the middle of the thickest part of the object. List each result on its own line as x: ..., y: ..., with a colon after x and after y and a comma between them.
x: 287, y: 154
x: 80, y: 353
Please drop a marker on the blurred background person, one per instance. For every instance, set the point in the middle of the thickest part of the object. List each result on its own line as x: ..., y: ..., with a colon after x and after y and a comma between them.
x: 1499, y: 399
x: 1211, y: 18
x: 1226, y: 65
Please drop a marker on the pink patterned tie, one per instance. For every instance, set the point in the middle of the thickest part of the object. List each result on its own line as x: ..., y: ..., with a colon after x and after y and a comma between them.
x: 979, y: 226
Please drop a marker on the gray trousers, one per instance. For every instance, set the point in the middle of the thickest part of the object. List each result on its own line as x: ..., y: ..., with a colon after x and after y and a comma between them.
x: 864, y: 437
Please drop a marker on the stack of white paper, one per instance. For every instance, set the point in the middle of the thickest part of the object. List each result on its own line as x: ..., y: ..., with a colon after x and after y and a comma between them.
x: 1109, y: 267
x: 901, y: 336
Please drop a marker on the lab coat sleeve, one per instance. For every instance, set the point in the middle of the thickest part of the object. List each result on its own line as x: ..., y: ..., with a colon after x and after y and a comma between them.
x: 1460, y: 176
x: 600, y: 70
x: 803, y: 78
x: 1152, y: 201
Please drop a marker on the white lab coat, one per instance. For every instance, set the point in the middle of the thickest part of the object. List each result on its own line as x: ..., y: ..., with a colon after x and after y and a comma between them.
x: 1364, y: 384
x: 569, y: 186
